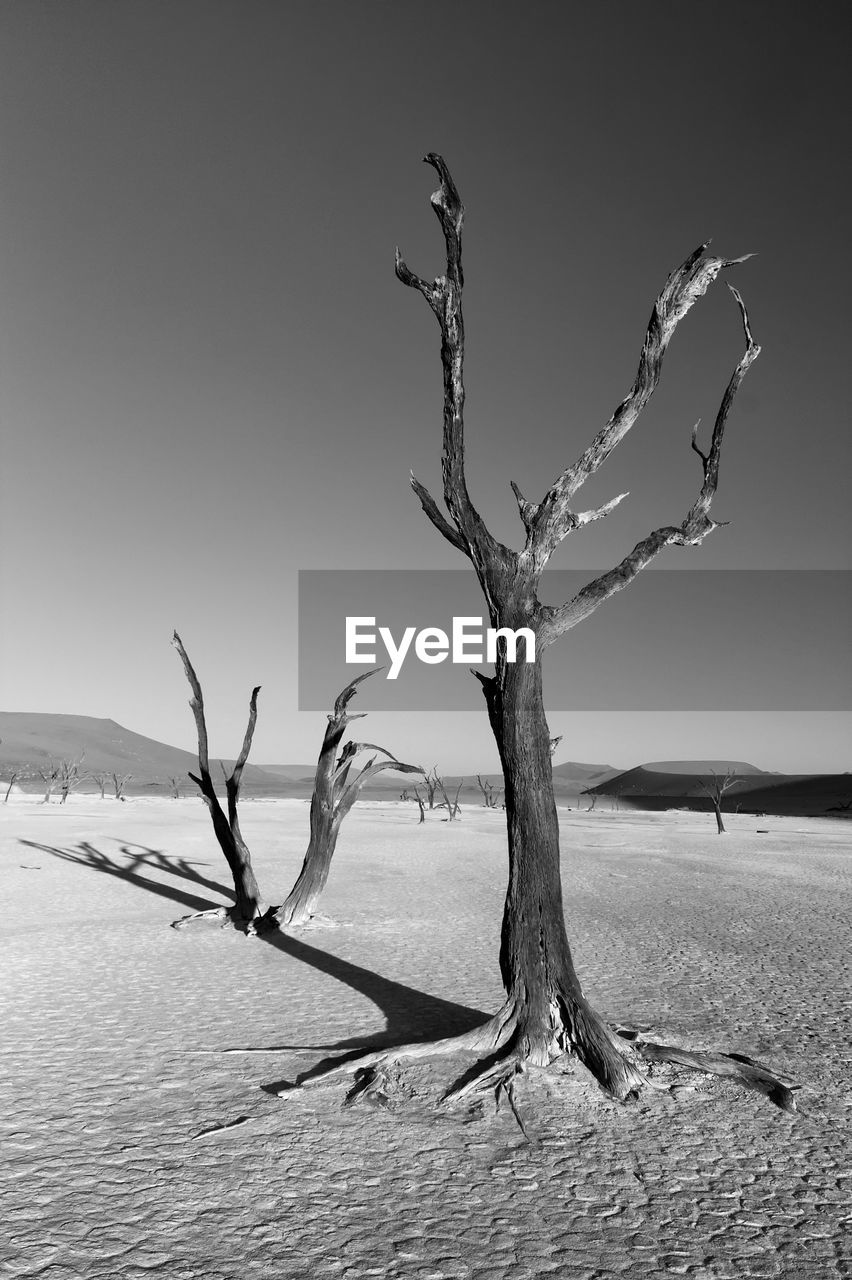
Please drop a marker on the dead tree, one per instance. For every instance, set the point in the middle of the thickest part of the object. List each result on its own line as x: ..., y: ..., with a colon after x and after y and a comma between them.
x: 334, y: 795
x: 432, y: 784
x: 100, y: 780
x: 545, y: 1014
x: 50, y: 777
x: 419, y: 800
x: 70, y: 777
x: 13, y: 778
x: 174, y: 783
x: 715, y: 791
x: 248, y: 904
x: 452, y: 807
x: 119, y: 782
x: 490, y: 793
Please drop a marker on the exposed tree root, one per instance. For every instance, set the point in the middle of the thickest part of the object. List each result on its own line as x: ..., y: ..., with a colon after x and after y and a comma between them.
x: 746, y: 1071
x: 613, y: 1057
x: 223, y: 916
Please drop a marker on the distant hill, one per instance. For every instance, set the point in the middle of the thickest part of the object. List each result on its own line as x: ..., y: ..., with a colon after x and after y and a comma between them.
x: 290, y: 770
x: 30, y: 740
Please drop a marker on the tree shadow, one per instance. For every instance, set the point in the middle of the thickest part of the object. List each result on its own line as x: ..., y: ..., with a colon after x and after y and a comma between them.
x: 86, y: 855
x: 410, y: 1015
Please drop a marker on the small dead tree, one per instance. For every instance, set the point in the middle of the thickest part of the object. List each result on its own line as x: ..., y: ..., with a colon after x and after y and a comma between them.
x: 333, y: 797
x: 248, y: 904
x: 452, y: 807
x: 420, y: 804
x: 715, y: 791
x: 100, y: 780
x: 432, y: 785
x: 50, y: 776
x: 70, y: 777
x: 490, y: 794
x: 545, y: 1014
x: 13, y: 778
x: 174, y: 783
x: 119, y: 782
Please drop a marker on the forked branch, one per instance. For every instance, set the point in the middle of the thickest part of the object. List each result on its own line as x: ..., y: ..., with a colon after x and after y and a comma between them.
x: 692, y: 530
x: 551, y: 520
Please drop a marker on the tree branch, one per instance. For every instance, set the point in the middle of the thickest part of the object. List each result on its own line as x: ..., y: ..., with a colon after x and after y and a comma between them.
x: 444, y: 296
x: 434, y: 513
x: 689, y: 533
x: 552, y: 519
x: 197, y: 704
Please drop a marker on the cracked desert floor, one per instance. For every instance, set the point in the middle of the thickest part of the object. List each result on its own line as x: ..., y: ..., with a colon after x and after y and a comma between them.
x: 142, y: 1135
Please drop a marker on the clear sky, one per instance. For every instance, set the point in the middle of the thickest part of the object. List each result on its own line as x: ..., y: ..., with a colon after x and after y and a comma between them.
x: 210, y: 378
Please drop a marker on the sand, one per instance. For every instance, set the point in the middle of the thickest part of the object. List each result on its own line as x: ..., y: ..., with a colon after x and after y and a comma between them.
x: 139, y: 1138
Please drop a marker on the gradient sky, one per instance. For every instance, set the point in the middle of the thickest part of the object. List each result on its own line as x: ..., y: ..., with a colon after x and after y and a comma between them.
x: 210, y: 378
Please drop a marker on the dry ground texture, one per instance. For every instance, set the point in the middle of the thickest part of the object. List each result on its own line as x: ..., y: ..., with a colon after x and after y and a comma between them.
x: 139, y: 1138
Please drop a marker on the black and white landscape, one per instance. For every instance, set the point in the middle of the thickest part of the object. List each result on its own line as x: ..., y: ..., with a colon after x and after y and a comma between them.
x: 322, y: 1054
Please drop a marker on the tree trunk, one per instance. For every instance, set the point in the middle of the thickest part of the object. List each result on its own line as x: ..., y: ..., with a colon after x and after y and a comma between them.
x: 719, y: 823
x: 248, y: 902
x: 552, y: 1015
x: 302, y: 899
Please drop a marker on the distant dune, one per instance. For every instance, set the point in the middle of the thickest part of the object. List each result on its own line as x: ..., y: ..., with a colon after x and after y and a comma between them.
x: 681, y: 784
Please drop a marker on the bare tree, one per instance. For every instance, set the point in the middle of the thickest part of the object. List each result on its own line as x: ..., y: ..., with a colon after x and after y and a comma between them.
x: 70, y: 777
x: 50, y: 775
x: 418, y: 800
x: 334, y: 795
x: 100, y: 780
x: 716, y: 791
x: 174, y: 783
x: 545, y: 1014
x: 490, y: 794
x: 452, y: 807
x: 119, y: 782
x: 248, y: 904
x: 13, y: 778
x: 432, y: 784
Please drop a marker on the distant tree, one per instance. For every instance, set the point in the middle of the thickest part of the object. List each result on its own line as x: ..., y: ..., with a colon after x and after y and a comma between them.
x: 100, y: 780
x: 545, y: 1014
x: 432, y: 785
x: 452, y: 807
x: 174, y: 783
x: 50, y: 776
x: 70, y: 777
x: 13, y: 778
x: 119, y: 782
x: 490, y: 794
x: 418, y: 799
x: 715, y: 790
x: 333, y: 797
